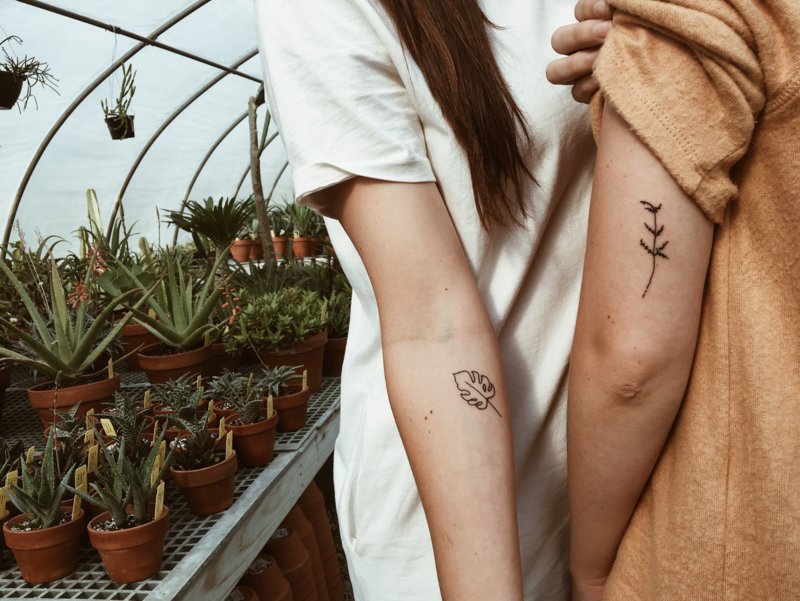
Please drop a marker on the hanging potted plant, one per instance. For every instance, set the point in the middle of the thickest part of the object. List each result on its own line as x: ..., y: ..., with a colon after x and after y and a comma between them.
x: 338, y: 327
x: 305, y: 222
x: 129, y: 535
x: 204, y: 473
x: 118, y: 119
x: 290, y: 396
x: 286, y: 327
x: 45, y: 537
x: 181, y: 323
x: 253, y: 426
x: 65, y: 344
x: 16, y: 72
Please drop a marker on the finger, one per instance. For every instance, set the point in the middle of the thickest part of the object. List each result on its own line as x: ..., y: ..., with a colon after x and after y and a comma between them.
x: 566, y: 70
x: 580, y: 36
x: 584, y: 89
x: 592, y: 9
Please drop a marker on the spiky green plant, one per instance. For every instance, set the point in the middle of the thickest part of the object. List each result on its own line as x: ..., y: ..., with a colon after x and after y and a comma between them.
x: 339, y: 314
x: 127, y: 417
x: 196, y: 448
x: 226, y: 386
x: 9, y: 456
x: 42, y: 491
x: 248, y: 405
x: 76, y: 341
x: 277, y: 381
x: 180, y: 395
x: 220, y: 222
x: 305, y: 221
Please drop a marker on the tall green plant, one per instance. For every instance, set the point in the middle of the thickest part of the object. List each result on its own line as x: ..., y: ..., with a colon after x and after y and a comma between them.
x: 220, y: 222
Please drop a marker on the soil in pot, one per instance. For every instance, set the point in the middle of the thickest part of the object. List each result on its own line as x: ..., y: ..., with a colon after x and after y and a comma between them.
x: 307, y: 354
x: 10, y: 89
x: 334, y: 357
x: 132, y: 554
x: 208, y: 490
x: 162, y: 364
x: 135, y: 336
x: 120, y: 126
x: 294, y: 561
x: 255, y: 443
x: 46, y: 554
x: 240, y: 250
x: 45, y: 398
x: 279, y: 245
x: 292, y: 410
x: 313, y: 505
x: 304, y: 247
x: 297, y: 521
x: 266, y: 579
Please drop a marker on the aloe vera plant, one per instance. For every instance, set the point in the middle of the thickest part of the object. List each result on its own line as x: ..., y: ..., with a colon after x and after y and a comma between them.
x: 42, y: 491
x: 67, y: 351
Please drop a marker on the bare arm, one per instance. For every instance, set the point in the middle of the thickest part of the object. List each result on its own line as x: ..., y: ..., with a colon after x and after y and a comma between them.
x: 434, y: 327
x: 646, y: 263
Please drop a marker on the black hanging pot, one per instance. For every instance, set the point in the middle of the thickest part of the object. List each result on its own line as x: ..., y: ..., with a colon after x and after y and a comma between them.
x: 10, y: 89
x: 120, y: 126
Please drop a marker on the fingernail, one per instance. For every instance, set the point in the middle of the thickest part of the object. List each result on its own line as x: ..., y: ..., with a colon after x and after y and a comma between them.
x: 601, y: 29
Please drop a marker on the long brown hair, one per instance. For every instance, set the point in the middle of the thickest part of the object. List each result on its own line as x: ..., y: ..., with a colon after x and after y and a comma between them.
x: 449, y: 41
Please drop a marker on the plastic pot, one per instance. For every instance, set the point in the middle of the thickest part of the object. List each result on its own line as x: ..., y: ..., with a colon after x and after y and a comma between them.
x: 47, y: 554
x: 161, y: 367
x: 208, y: 490
x: 120, y: 126
x: 10, y: 89
x: 334, y: 357
x: 133, y: 554
x: 255, y: 443
x: 292, y: 410
x: 307, y: 354
x: 266, y: 579
x: 45, y: 399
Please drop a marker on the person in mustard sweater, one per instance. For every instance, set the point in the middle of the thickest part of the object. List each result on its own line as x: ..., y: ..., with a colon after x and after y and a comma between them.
x: 684, y: 399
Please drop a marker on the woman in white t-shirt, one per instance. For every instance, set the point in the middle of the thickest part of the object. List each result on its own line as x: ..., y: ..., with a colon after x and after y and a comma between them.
x: 458, y: 211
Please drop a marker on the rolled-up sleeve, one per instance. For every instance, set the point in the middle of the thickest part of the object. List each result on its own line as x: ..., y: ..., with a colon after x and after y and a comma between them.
x: 340, y: 105
x: 685, y: 75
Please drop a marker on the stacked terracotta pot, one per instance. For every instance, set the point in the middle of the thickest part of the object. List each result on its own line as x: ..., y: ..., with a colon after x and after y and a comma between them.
x: 312, y: 504
x: 294, y: 561
x: 265, y: 578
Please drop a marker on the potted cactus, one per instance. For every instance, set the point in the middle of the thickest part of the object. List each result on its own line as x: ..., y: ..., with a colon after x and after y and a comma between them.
x: 203, y: 472
x: 45, y: 537
x: 253, y: 426
x: 65, y: 344
x: 118, y: 118
x: 130, y: 533
x: 284, y: 384
x: 286, y: 327
x: 338, y: 327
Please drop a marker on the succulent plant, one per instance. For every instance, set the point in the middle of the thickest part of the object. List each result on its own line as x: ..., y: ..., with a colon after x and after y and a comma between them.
x: 248, y: 403
x: 181, y: 396
x: 127, y: 417
x: 9, y: 456
x: 226, y: 386
x: 278, y: 381
x: 339, y: 314
x: 196, y: 447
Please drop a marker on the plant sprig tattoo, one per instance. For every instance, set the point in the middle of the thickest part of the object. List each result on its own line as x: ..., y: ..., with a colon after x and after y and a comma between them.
x: 476, y: 389
x: 653, y: 250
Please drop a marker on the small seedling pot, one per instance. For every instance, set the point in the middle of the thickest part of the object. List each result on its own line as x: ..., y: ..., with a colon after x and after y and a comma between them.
x: 334, y: 357
x: 10, y: 89
x: 133, y: 554
x: 255, y: 443
x: 208, y: 490
x: 292, y: 410
x: 161, y: 367
x: 266, y: 579
x: 47, y: 554
x: 120, y: 126
x: 45, y: 399
x: 306, y: 354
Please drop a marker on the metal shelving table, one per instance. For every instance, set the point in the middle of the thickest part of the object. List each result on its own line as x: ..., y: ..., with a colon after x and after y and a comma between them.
x: 203, y: 557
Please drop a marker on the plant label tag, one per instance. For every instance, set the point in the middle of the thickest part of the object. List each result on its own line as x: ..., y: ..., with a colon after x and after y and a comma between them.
x: 159, y: 500
x: 110, y: 369
x: 146, y: 403
x: 108, y: 427
x: 229, y: 445
x: 151, y: 313
x: 76, y: 507
x: 81, y: 479
x: 305, y: 379
x: 3, y: 501
x: 88, y: 437
x: 156, y: 470
x: 270, y: 406
x: 92, y: 459
x: 222, y: 430
x: 30, y: 454
x: 89, y: 419
x: 210, y: 411
x: 207, y: 339
x: 199, y: 381
x: 162, y: 452
x: 11, y: 478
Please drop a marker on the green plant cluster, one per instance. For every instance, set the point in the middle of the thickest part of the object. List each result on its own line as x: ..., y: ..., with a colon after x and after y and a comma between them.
x: 181, y: 396
x: 196, y: 447
x: 127, y: 416
x: 279, y: 380
x: 214, y: 225
x: 339, y: 314
x: 291, y: 219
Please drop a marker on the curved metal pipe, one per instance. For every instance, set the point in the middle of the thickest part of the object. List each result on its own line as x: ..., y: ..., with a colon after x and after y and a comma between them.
x: 77, y: 102
x: 167, y: 122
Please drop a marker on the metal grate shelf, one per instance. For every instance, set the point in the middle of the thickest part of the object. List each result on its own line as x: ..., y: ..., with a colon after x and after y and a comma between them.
x: 203, y: 557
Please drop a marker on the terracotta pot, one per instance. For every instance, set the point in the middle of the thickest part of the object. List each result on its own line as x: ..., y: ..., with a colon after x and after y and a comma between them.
x: 255, y: 443
x: 242, y: 593
x: 221, y: 412
x: 266, y: 579
x: 256, y: 250
x: 292, y: 410
x: 304, y: 246
x: 44, y: 399
x: 208, y: 490
x: 6, y: 516
x: 313, y: 505
x: 307, y: 354
x: 334, y: 357
x: 279, y: 245
x: 45, y: 555
x: 162, y: 368
x: 240, y: 250
x: 297, y: 521
x: 219, y: 361
x: 133, y: 554
x: 135, y: 336
x: 294, y: 561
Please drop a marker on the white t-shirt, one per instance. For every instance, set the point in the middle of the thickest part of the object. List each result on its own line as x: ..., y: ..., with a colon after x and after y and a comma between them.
x: 349, y: 102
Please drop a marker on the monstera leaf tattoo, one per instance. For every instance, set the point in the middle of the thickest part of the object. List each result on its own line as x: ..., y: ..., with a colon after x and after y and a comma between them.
x: 476, y: 389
